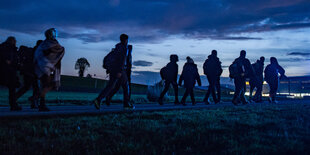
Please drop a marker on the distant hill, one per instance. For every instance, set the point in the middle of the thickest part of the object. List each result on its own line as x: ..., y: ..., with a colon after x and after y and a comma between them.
x: 87, y: 84
x: 150, y: 78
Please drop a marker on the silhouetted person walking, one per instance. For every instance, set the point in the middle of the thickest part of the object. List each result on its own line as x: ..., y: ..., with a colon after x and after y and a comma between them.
x: 169, y: 73
x: 8, y: 53
x: 272, y: 72
x: 212, y: 69
x: 240, y: 69
x: 117, y: 70
x: 127, y: 69
x: 47, y: 65
x: 257, y: 80
x: 26, y: 63
x: 190, y: 75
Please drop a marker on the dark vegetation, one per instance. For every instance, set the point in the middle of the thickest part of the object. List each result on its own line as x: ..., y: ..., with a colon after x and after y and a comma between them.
x: 251, y: 129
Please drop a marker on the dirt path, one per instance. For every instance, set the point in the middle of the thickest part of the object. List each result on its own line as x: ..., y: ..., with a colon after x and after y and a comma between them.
x: 91, y: 110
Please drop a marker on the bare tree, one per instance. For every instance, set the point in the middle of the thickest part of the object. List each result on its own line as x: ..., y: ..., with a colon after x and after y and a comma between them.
x: 81, y: 64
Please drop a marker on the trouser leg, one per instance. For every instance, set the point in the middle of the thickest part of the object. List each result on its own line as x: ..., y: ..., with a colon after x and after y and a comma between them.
x: 167, y: 84
x: 213, y: 93
x: 186, y: 93
x: 208, y: 91
x: 113, y: 92
x: 27, y: 84
x: 273, y: 89
x: 259, y: 90
x: 238, y: 88
x: 110, y: 86
x: 35, y: 87
x: 252, y: 86
x: 242, y: 92
x: 176, y: 95
x: 125, y: 86
x: 12, y: 96
x: 47, y: 85
x: 129, y: 86
x: 218, y: 89
x: 207, y: 94
x: 191, y: 92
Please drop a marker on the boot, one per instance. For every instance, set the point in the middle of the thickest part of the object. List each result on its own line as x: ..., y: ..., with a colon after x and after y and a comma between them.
x: 15, y: 108
x: 176, y: 102
x: 108, y: 101
x: 129, y: 106
x: 34, y: 102
x: 193, y: 103
x: 160, y: 101
x: 97, y: 103
x: 42, y: 106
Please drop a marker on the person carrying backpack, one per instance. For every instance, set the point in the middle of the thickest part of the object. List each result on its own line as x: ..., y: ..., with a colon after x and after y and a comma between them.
x: 128, y: 67
x: 212, y: 69
x: 26, y: 63
x: 8, y: 52
x: 117, y: 71
x: 240, y: 69
x: 257, y: 80
x: 272, y: 72
x: 189, y: 75
x: 169, y: 73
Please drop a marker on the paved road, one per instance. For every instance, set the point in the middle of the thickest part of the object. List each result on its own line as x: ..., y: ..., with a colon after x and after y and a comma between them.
x: 90, y: 109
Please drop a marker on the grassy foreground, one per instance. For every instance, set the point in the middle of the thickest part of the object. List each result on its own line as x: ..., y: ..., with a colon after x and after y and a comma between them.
x: 251, y: 129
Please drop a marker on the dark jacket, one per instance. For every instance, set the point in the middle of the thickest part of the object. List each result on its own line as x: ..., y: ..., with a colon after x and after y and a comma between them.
x: 26, y: 60
x: 129, y: 61
x: 190, y: 75
x: 172, y: 68
x: 212, y: 66
x: 272, y: 73
x: 244, y: 67
x: 121, y: 57
x: 258, y: 68
x: 8, y: 53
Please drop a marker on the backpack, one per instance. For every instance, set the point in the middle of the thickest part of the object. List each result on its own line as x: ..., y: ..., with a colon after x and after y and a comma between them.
x: 210, y: 67
x: 164, y: 73
x: 233, y: 70
x: 206, y: 67
x: 25, y: 58
x: 109, y: 60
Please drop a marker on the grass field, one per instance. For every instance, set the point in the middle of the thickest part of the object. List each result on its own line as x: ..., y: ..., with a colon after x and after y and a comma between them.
x: 251, y: 129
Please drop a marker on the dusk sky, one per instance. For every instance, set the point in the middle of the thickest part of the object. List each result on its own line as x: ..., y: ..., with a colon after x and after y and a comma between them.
x: 157, y: 28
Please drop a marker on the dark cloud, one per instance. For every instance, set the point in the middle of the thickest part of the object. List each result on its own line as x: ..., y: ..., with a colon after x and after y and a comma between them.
x: 293, y: 59
x: 235, y: 38
x: 299, y: 53
x: 153, y: 20
x: 142, y: 63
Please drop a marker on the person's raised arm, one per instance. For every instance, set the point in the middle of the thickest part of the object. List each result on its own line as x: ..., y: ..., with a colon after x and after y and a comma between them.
x: 281, y: 71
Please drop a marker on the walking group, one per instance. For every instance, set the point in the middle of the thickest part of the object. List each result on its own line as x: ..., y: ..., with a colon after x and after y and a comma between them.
x: 40, y: 67
x: 240, y: 70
